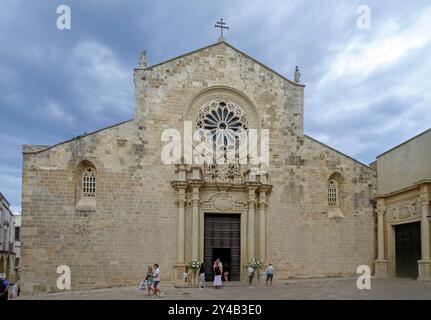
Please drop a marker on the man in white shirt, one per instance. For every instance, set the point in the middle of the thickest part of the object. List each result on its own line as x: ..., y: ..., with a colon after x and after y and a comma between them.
x: 156, y: 279
x: 269, y: 275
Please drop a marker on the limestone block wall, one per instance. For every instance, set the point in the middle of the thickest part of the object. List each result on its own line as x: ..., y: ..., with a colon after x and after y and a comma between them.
x: 302, y: 240
x: 106, y: 245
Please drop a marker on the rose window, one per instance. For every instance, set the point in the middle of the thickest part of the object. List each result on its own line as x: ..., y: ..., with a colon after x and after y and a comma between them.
x: 222, y: 124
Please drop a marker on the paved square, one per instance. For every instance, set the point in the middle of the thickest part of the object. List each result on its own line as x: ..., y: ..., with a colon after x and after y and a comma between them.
x: 316, y: 289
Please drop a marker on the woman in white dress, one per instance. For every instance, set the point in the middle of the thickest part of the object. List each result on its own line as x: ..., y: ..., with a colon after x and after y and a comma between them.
x: 218, y: 271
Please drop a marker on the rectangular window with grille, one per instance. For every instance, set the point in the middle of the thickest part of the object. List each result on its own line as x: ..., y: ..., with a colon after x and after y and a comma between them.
x: 89, y: 183
x: 332, y: 194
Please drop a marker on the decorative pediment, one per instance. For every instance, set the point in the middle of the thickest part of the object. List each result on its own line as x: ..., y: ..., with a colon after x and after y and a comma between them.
x: 405, y: 211
x: 223, y: 201
x: 223, y: 174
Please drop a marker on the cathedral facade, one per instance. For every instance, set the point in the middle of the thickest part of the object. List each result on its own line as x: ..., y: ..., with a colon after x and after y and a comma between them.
x: 106, y: 205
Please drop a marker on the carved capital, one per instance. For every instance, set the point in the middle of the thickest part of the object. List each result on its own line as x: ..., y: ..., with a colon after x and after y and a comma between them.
x: 251, y: 203
x: 264, y: 188
x: 263, y: 205
x: 180, y: 203
x: 380, y: 207
x: 195, y: 202
x: 179, y: 185
x: 425, y: 200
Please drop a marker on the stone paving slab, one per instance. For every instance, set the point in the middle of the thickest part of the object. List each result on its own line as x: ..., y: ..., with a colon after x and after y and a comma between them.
x: 315, y: 289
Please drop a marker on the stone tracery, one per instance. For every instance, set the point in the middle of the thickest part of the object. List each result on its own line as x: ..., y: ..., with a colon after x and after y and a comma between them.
x: 222, y: 123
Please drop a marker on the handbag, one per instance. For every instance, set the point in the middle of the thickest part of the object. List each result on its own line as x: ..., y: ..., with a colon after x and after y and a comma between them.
x: 143, y: 285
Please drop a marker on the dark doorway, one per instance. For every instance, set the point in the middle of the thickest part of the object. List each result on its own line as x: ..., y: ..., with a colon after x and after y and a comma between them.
x: 222, y: 240
x: 225, y: 255
x: 407, y: 249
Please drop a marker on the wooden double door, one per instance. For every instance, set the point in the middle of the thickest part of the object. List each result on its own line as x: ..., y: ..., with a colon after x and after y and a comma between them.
x: 222, y: 234
x: 407, y: 249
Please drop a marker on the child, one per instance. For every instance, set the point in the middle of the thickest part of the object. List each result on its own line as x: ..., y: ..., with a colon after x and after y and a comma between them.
x: 250, y: 276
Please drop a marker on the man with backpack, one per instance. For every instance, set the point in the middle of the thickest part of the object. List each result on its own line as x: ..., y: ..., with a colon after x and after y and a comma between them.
x: 4, y: 288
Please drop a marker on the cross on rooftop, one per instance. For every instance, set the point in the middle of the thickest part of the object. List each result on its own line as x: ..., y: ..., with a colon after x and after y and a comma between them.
x: 220, y: 24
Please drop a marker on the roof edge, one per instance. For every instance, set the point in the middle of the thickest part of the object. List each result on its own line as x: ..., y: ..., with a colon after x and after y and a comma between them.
x: 339, y: 152
x: 403, y: 143
x: 77, y: 137
x: 2, y: 197
x: 414, y: 186
x: 230, y: 46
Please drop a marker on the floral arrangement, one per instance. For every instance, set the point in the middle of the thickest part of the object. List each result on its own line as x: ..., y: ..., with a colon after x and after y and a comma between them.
x: 194, y: 264
x: 255, y: 264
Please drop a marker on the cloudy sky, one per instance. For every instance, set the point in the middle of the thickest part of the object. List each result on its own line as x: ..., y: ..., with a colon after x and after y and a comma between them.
x: 367, y: 89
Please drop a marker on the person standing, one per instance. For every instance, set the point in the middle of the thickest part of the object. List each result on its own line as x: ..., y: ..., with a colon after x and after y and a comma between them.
x: 4, y: 288
x: 156, y: 280
x: 250, y: 276
x: 149, y: 279
x: 202, y: 276
x: 269, y: 275
x: 226, y: 269
x: 218, y: 270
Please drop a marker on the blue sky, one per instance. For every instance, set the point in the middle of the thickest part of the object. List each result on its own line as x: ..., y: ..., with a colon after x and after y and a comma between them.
x: 367, y: 90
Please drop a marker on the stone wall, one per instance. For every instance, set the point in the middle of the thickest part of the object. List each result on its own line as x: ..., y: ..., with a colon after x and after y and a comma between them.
x: 303, y: 241
x: 110, y: 244
x: 405, y: 165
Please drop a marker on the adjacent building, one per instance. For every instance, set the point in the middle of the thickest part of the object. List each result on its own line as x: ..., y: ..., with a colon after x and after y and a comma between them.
x: 403, y: 209
x: 17, y: 244
x: 7, y: 255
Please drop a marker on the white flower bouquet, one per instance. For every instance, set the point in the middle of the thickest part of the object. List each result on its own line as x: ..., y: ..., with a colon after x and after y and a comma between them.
x: 194, y: 264
x: 255, y: 264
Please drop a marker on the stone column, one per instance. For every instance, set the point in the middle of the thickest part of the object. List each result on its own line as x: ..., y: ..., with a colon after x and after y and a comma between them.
x: 180, y: 184
x: 262, y: 226
x: 5, y: 257
x: 424, y: 264
x: 201, y: 235
x: 244, y: 250
x: 195, y: 222
x: 181, y: 224
x: 251, y: 223
x: 381, y: 263
x: 196, y: 182
x: 12, y: 273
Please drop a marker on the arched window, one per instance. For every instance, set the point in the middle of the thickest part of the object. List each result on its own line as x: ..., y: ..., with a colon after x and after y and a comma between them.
x: 332, y: 193
x: 89, y: 183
